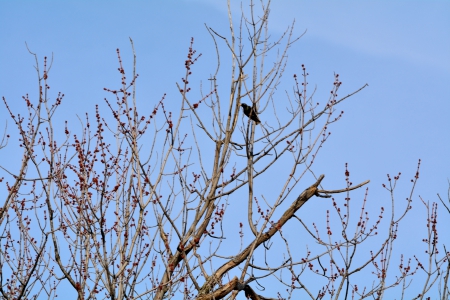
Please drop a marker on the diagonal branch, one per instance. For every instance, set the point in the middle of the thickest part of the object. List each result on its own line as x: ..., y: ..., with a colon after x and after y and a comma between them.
x: 289, y: 213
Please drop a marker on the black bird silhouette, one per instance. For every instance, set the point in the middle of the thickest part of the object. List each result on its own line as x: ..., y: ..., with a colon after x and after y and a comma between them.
x: 251, y: 113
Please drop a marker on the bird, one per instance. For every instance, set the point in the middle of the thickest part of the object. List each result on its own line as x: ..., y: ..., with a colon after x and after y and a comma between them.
x: 251, y: 113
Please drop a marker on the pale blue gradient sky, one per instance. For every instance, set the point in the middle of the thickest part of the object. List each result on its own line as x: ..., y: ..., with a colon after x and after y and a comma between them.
x: 400, y: 48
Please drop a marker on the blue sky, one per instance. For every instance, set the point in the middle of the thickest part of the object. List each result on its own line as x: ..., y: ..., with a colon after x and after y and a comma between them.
x: 400, y: 48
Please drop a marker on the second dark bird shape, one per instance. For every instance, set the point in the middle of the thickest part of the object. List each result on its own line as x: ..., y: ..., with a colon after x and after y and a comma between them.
x: 251, y: 113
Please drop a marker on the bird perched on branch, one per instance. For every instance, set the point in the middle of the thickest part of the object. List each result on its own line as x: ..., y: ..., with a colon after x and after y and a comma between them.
x: 251, y: 113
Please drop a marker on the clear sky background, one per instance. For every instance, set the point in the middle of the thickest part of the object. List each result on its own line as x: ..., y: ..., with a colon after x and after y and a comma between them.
x: 400, y: 48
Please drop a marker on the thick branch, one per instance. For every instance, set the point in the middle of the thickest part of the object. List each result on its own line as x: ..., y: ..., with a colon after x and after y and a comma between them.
x: 221, y: 292
x: 289, y: 213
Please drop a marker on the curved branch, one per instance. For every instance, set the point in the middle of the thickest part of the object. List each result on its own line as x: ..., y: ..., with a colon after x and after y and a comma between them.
x: 341, y: 190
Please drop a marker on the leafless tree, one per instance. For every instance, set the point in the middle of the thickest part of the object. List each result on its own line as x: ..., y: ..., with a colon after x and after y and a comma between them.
x: 143, y: 205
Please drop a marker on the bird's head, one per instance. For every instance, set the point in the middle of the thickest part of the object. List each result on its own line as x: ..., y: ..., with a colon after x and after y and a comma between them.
x: 244, y: 105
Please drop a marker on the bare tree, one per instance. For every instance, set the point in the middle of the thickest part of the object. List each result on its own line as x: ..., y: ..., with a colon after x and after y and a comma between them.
x: 142, y: 205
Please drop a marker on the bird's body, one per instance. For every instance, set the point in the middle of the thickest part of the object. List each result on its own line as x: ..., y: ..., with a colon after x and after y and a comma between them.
x: 250, y: 113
